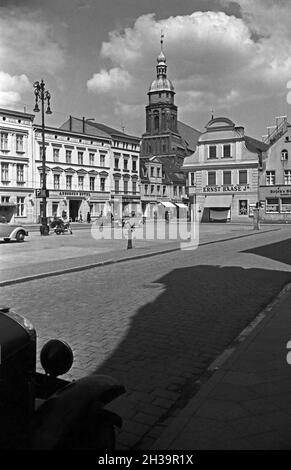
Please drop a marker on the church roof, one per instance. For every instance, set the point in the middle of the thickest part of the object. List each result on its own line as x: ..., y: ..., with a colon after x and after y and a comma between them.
x: 189, y: 134
x: 161, y: 84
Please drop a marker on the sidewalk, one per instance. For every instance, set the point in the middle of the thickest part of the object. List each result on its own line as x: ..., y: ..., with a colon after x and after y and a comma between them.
x: 246, y: 402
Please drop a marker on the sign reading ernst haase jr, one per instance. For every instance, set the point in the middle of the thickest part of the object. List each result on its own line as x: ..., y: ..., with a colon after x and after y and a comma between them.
x: 226, y: 188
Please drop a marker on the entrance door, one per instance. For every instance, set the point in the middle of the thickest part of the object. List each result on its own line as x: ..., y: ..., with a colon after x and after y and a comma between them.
x: 74, y: 207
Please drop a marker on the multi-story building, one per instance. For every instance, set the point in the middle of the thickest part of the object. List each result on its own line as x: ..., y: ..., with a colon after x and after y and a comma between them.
x: 78, y: 169
x: 275, y: 179
x: 164, y: 145
x: 17, y: 184
x: 223, y: 172
x: 124, y: 167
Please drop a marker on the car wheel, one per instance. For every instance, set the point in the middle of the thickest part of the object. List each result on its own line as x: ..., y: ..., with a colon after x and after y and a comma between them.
x: 20, y: 236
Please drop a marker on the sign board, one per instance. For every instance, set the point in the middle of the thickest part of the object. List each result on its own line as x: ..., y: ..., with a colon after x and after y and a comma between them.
x: 42, y: 193
x: 226, y: 188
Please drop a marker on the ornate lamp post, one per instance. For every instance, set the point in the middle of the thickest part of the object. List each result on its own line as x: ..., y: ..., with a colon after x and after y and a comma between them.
x: 42, y: 95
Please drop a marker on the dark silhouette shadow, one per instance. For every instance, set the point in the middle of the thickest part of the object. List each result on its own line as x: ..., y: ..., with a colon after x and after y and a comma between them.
x: 279, y: 251
x: 172, y: 340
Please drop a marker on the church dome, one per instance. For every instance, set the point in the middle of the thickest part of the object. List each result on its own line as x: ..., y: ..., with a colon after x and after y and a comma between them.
x: 161, y: 84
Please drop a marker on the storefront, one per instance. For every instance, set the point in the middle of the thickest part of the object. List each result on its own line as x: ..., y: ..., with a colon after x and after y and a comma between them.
x: 275, y: 203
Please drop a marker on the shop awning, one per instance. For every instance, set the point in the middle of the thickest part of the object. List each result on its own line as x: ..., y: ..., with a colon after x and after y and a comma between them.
x: 218, y: 201
x: 167, y: 204
x: 182, y: 206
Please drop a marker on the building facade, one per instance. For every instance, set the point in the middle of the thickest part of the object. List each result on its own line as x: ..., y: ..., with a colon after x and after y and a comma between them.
x: 17, y: 179
x: 78, y: 168
x: 223, y: 172
x: 275, y: 179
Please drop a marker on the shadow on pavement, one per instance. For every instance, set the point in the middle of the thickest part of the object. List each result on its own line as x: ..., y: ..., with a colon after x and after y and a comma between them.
x: 173, y: 339
x: 279, y: 251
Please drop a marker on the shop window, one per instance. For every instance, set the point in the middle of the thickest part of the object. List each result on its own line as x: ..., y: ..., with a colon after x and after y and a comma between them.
x: 272, y: 205
x: 243, y: 177
x: 286, y: 204
x: 20, y: 208
x: 270, y: 178
x: 227, y: 177
x: 226, y: 151
x: 287, y: 177
x: 284, y: 155
x: 212, y: 151
x: 211, y: 178
x: 243, y: 207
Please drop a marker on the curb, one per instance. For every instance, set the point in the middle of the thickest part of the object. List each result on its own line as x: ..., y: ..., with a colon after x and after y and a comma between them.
x: 33, y: 277
x: 217, y: 370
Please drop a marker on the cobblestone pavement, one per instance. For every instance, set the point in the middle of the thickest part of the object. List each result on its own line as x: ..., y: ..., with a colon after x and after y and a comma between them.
x: 155, y: 323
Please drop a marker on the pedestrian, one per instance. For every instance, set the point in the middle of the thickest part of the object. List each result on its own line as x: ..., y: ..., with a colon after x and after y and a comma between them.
x: 88, y: 218
x: 129, y: 228
x: 81, y: 218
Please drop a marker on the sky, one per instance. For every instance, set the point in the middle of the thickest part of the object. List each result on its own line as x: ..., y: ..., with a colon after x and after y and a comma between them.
x: 98, y: 58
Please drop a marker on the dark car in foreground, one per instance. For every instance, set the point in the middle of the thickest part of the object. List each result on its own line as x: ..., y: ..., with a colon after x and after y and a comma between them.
x: 10, y: 231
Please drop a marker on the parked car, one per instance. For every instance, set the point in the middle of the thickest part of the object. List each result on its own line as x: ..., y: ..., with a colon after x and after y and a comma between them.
x: 9, y: 231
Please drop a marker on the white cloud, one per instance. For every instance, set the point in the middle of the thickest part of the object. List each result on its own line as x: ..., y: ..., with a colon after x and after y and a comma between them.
x: 105, y: 81
x: 214, y: 58
x: 11, y: 88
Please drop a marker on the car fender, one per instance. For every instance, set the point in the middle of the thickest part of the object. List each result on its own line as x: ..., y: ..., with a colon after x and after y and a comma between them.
x: 17, y: 229
x: 66, y: 407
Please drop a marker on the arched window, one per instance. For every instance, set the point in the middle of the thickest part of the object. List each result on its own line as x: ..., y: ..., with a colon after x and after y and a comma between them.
x: 284, y: 154
x: 156, y: 122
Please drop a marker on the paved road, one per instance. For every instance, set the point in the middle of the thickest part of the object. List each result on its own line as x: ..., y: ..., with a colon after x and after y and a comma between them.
x: 157, y: 323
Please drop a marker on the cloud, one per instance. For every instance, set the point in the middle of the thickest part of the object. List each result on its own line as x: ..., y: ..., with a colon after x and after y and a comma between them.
x: 105, y: 81
x: 11, y: 88
x: 214, y: 58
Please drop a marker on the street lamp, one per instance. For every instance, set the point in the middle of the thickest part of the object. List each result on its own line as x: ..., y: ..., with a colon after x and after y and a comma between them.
x: 42, y: 95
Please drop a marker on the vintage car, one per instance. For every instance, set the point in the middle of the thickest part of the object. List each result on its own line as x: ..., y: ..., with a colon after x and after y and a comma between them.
x: 9, y: 231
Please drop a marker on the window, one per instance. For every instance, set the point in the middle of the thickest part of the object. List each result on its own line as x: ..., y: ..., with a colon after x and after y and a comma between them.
x: 102, y: 160
x: 180, y: 190
x: 211, y: 178
x: 156, y: 123
x: 158, y: 172
x: 56, y: 154
x: 284, y: 155
x: 5, y: 199
x: 20, y: 206
x: 80, y: 158
x: 243, y: 207
x: 92, y: 183
x: 116, y: 185
x: 152, y: 171
x: 164, y: 190
x: 152, y: 188
x: 286, y: 204
x: 102, y: 184
x: 125, y: 186
x: 116, y: 163
x: 20, y: 173
x: 4, y: 171
x: 287, y: 177
x: 272, y: 205
x: 146, y: 189
x: 125, y: 164
x: 133, y: 165
x: 226, y: 151
x: 192, y: 179
x: 56, y: 181
x: 81, y: 182
x: 4, y: 141
x: 270, y: 178
x: 227, y: 177
x: 68, y: 156
x: 91, y: 159
x: 175, y: 190
x: 158, y: 189
x: 19, y: 143
x: 243, y: 177
x: 68, y: 182
x: 212, y: 151
x: 55, y: 206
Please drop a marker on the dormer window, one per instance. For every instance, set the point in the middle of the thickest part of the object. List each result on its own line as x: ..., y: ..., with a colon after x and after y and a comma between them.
x: 212, y: 151
x: 284, y: 155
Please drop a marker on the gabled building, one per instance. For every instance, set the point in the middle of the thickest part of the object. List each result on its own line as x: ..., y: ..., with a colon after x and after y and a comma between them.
x: 164, y: 146
x: 223, y: 172
x: 17, y: 178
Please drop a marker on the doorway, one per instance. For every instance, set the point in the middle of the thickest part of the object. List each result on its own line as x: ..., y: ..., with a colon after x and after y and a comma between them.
x: 74, y: 206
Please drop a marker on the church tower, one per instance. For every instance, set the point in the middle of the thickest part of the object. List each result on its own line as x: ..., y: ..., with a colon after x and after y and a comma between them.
x: 161, y: 137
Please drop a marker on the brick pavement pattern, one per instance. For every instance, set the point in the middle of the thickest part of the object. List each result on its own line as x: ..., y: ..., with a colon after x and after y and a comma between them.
x: 155, y: 324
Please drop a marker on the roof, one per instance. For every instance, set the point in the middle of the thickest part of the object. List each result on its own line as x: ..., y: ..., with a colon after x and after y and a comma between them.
x: 189, y: 134
x: 111, y: 131
x: 161, y: 84
x: 76, y: 125
x: 254, y: 145
x: 11, y: 112
x: 172, y: 170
